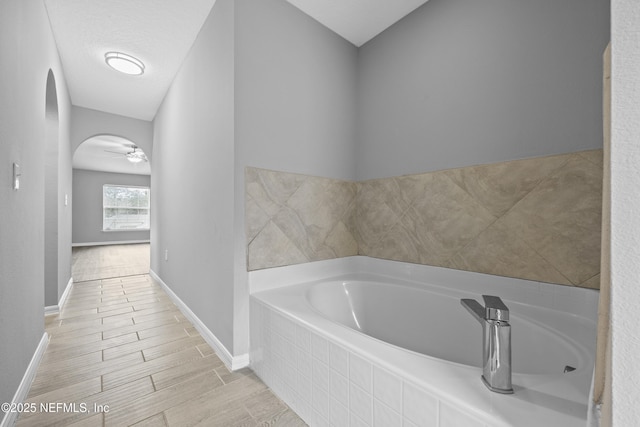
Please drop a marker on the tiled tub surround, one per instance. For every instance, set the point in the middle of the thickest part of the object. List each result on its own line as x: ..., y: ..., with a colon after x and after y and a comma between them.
x: 536, y: 219
x: 292, y: 218
x: 332, y: 375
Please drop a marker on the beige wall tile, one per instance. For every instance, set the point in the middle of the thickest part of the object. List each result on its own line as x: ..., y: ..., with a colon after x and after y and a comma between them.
x: 445, y: 218
x: 592, y: 283
x: 498, y: 187
x: 594, y: 156
x: 271, y: 189
x: 292, y: 218
x: 379, y: 206
x: 498, y: 251
x: 273, y: 248
x: 397, y: 244
x: 256, y: 218
x: 561, y: 219
x: 373, y: 220
x: 342, y: 241
x: 296, y: 232
x: 536, y: 218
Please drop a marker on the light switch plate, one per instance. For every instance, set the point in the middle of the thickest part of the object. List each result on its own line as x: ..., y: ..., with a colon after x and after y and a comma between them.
x: 16, y: 176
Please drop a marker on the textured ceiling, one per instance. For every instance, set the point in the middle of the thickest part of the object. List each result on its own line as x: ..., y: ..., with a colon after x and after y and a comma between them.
x: 161, y: 32
x: 158, y: 32
x: 357, y: 20
x: 106, y: 153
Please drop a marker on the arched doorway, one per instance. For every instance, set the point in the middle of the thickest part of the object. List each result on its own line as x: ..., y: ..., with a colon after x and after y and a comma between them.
x: 111, y: 208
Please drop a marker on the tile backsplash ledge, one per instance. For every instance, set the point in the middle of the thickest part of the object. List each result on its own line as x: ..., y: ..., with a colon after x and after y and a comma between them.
x: 536, y: 219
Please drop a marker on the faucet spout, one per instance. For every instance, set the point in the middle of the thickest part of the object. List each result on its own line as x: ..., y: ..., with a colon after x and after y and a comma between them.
x: 496, y: 342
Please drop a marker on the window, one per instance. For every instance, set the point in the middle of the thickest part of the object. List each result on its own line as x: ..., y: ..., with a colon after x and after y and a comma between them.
x: 125, y: 208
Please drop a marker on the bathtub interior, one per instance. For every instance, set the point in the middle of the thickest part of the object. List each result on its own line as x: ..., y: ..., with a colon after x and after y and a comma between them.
x: 432, y: 322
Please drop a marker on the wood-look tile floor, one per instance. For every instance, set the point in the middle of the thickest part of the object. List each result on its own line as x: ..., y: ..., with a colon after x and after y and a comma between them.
x: 122, y: 354
x: 102, y: 262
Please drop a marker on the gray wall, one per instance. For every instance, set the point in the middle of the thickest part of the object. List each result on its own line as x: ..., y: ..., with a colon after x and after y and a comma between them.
x: 87, y: 123
x: 193, y: 174
x: 294, y: 109
x: 87, y: 206
x: 453, y: 84
x: 25, y: 36
x: 295, y: 92
x: 460, y: 82
x: 265, y: 86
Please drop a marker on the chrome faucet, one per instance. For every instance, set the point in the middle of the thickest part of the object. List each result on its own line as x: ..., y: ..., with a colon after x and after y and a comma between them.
x: 496, y: 342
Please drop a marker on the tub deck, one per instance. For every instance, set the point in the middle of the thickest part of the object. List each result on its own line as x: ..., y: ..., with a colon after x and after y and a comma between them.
x: 333, y: 375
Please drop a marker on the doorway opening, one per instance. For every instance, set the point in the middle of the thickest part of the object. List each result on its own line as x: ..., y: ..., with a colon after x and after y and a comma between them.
x: 111, y: 209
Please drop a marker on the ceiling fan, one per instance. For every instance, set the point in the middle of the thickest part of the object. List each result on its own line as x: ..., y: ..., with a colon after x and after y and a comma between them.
x: 134, y: 156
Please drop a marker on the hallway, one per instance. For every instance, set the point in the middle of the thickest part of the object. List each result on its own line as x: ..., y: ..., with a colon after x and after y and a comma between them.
x: 121, y: 353
x: 106, y: 262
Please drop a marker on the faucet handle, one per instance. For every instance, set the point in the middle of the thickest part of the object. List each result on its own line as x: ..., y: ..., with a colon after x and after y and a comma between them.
x: 474, y: 307
x: 495, y: 309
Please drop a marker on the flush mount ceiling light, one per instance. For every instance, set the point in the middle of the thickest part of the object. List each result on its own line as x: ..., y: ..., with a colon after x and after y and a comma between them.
x: 124, y: 63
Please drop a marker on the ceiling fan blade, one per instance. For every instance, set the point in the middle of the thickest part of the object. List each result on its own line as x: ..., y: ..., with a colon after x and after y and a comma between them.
x: 115, y: 152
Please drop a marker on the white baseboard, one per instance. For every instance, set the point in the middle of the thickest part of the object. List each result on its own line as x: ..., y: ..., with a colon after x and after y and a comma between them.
x: 65, y: 294
x: 10, y: 418
x: 55, y: 309
x: 51, y: 309
x: 231, y: 362
x: 120, y: 242
x: 240, y: 362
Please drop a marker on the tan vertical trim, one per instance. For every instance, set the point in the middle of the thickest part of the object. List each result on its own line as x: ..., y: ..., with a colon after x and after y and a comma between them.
x: 601, y: 393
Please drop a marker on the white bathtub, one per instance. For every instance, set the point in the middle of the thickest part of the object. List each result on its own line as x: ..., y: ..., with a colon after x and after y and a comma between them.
x: 393, y: 346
